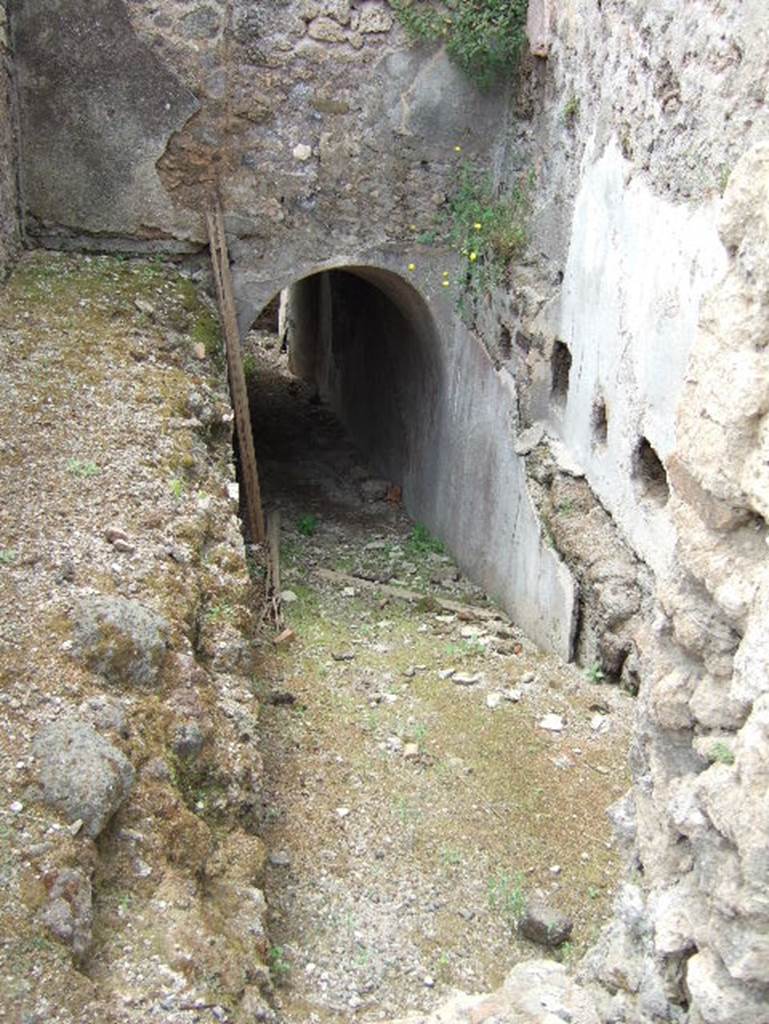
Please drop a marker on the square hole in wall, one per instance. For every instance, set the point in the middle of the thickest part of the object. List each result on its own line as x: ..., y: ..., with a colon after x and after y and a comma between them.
x: 560, y: 369
x: 649, y: 473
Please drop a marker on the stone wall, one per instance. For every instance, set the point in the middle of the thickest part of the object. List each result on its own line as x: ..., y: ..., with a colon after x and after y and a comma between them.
x: 9, y: 226
x: 639, y: 330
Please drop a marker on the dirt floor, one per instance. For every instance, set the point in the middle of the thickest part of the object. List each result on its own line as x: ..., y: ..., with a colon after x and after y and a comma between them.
x: 414, y: 800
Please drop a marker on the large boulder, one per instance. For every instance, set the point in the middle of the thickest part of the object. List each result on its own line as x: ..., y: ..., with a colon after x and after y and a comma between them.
x: 80, y: 773
x: 120, y: 639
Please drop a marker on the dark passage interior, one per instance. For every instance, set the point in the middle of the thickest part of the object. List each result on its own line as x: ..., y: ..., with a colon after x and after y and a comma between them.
x: 364, y: 341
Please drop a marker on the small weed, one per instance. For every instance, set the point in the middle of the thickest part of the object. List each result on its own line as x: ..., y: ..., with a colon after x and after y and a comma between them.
x: 571, y: 111
x: 205, y: 332
x: 84, y: 470
x: 466, y: 649
x: 506, y: 896
x: 721, y: 753
x: 8, y: 556
x: 177, y: 488
x: 565, y: 507
x: 593, y: 892
x: 280, y: 968
x: 594, y: 673
x: 421, y: 542
x: 450, y: 857
x: 566, y: 952
x: 249, y: 367
x: 486, y: 228
x: 307, y: 525
x: 419, y: 732
x: 220, y: 612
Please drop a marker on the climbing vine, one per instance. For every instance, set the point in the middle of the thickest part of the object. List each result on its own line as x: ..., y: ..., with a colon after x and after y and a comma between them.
x: 484, y: 37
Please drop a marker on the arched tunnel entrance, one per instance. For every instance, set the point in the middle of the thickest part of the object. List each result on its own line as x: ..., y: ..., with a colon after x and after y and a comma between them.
x: 365, y: 342
x: 421, y: 398
x: 426, y: 768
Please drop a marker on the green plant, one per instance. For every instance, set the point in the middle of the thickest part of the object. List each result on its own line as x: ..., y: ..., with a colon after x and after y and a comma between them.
x: 721, y: 753
x: 485, y: 38
x: 450, y: 857
x: 177, y: 487
x: 594, y: 673
x: 565, y: 507
x: 8, y: 556
x: 487, y: 229
x: 307, y: 525
x: 220, y: 612
x: 421, y: 542
x: 82, y: 469
x: 419, y: 732
x: 571, y: 110
x: 506, y: 896
x: 249, y: 366
x: 280, y: 968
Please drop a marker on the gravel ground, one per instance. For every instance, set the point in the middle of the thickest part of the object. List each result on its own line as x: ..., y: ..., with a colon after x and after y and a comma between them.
x: 413, y: 798
x: 400, y: 774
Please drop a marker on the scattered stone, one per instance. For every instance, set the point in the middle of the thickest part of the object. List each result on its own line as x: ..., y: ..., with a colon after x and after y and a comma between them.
x: 113, y: 533
x: 68, y: 914
x: 527, y: 678
x: 199, y: 350
x: 343, y: 655
x: 374, y: 490
x: 493, y: 700
x: 285, y: 638
x: 302, y: 152
x: 144, y: 306
x: 411, y: 751
x: 80, y: 773
x: 105, y: 713
x: 349, y: 592
x: 120, y: 639
x: 428, y: 981
x: 446, y: 673
x: 280, y: 859
x: 141, y: 868
x: 281, y: 698
x: 514, y: 695
x: 544, y: 925
x: 75, y: 827
x: 342, y: 812
x: 600, y: 723
x: 188, y: 739
x: 288, y: 597
x: 466, y: 679
x: 552, y: 723
x: 124, y: 546
x: 16, y: 807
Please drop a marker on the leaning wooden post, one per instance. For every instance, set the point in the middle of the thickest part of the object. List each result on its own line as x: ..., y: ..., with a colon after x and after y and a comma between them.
x: 220, y: 261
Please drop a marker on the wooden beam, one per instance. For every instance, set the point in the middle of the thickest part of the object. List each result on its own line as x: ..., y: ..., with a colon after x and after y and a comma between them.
x: 220, y: 261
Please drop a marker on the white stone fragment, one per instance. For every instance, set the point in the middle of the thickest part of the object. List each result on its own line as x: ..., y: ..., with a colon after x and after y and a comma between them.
x: 552, y: 723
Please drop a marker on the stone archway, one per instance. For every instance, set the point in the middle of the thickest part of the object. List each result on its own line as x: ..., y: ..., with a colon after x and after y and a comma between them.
x: 420, y: 395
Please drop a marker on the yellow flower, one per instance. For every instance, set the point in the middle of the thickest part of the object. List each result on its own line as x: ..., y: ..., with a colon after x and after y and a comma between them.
x: 412, y: 266
x: 445, y: 282
x: 445, y: 273
x: 413, y: 227
x: 473, y: 257
x: 457, y: 149
x: 477, y: 225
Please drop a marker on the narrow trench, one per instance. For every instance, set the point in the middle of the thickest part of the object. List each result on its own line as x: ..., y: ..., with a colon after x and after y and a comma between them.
x: 412, y: 800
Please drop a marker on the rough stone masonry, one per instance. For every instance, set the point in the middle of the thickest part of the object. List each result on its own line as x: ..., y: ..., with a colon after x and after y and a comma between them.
x: 631, y: 338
